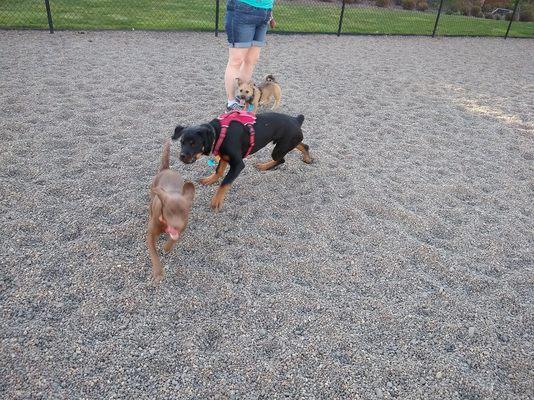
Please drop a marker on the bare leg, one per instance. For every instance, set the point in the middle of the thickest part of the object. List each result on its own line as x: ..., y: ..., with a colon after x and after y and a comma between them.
x: 251, y: 59
x: 236, y: 58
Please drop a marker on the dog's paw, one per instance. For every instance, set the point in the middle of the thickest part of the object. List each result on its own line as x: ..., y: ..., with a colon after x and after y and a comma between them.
x: 168, y: 245
x: 216, y: 204
x: 210, y: 180
x: 157, y: 277
x: 218, y: 199
x: 267, y: 165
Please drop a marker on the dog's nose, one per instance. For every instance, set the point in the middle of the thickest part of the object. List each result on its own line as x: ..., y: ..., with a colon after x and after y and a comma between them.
x: 183, y: 157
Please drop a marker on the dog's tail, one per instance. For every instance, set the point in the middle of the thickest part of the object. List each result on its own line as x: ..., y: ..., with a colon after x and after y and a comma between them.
x: 166, y: 155
x: 269, y: 78
x: 300, y: 119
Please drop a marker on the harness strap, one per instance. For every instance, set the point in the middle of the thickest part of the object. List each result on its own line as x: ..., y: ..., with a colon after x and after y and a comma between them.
x: 220, y: 140
x: 212, y: 129
x: 243, y: 117
x: 252, y: 137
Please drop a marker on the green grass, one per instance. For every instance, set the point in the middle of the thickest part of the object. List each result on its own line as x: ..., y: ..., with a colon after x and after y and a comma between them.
x: 200, y: 15
x: 110, y: 14
x: 393, y: 21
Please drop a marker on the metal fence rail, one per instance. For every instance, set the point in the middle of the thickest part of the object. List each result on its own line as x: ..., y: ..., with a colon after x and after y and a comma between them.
x: 513, y: 18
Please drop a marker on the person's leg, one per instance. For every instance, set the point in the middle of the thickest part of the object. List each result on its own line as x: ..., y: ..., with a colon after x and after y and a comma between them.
x: 253, y: 54
x: 236, y: 58
x: 249, y: 62
x: 245, y: 28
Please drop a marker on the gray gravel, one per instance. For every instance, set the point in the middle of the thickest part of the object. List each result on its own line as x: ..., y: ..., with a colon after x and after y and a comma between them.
x: 399, y: 264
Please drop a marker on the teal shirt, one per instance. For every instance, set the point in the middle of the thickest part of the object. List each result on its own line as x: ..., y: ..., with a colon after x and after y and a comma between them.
x: 267, y: 4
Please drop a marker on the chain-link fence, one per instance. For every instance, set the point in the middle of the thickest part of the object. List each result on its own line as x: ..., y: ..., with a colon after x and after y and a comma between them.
x: 390, y: 17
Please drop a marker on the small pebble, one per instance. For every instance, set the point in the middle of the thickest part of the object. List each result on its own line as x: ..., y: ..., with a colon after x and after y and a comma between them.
x: 471, y: 331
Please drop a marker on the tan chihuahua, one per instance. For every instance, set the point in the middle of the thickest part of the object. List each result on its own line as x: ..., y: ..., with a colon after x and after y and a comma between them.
x: 170, y: 203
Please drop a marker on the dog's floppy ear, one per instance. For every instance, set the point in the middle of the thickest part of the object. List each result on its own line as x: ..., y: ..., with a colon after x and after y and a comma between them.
x: 206, y: 142
x: 238, y: 81
x: 188, y: 191
x: 177, y: 132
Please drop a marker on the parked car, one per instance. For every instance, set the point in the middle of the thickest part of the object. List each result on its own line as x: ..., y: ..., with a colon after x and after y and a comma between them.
x: 501, y: 11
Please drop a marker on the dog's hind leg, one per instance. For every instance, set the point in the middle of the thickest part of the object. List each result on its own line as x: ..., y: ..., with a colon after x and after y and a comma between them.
x: 269, y: 165
x: 281, y: 148
x: 277, y: 96
x: 304, y: 149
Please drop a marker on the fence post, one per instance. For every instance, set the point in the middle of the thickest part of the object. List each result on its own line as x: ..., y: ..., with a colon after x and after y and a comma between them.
x: 511, y: 19
x: 49, y: 15
x: 437, y: 18
x: 341, y: 18
x: 216, y: 17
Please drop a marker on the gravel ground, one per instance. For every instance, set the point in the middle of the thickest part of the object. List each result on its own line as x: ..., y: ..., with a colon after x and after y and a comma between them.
x: 399, y: 264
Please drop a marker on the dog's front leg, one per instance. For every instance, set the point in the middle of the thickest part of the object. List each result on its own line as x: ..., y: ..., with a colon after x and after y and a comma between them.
x: 169, y: 244
x: 254, y: 107
x: 235, y: 170
x: 157, y: 268
x: 217, y: 175
x: 255, y: 101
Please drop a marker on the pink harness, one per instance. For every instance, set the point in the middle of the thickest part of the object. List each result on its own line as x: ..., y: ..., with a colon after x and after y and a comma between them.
x: 243, y: 117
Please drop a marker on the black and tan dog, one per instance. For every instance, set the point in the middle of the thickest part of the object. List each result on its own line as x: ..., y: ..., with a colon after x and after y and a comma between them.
x: 285, y: 131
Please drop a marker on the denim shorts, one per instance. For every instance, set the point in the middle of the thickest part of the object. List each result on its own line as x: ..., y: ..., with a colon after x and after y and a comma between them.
x: 246, y: 26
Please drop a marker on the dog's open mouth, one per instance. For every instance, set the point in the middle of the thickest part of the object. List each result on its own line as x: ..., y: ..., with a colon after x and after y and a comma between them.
x: 187, y: 159
x: 173, y: 233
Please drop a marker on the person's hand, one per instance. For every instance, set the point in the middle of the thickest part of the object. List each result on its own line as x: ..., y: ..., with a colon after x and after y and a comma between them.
x: 272, y: 23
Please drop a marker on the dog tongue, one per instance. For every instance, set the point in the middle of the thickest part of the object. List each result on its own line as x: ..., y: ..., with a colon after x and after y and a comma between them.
x: 173, y: 233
